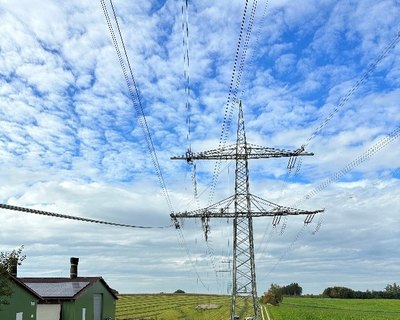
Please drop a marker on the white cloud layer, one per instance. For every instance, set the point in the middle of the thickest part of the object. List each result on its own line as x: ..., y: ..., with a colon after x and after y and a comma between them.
x: 70, y: 141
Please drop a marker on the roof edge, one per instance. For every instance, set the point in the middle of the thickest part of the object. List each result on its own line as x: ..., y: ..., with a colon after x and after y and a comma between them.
x: 27, y: 288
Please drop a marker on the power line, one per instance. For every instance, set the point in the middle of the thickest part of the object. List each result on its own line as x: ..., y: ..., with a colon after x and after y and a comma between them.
x: 291, y: 160
x: 236, y: 75
x: 244, y: 53
x: 227, y: 120
x: 362, y: 158
x: 186, y: 68
x: 186, y: 75
x: 364, y: 77
x: 184, y: 245
x: 135, y: 96
x: 70, y: 217
x: 257, y: 40
x: 382, y: 143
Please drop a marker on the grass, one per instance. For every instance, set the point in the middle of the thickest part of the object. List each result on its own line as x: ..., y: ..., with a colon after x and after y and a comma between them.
x: 338, y: 309
x: 185, y: 307
x: 172, y: 307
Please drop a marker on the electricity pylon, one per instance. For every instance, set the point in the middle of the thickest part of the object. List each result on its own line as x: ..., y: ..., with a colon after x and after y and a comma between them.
x: 246, y: 207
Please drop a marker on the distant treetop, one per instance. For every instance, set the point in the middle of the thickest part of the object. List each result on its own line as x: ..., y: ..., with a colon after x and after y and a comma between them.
x: 179, y: 291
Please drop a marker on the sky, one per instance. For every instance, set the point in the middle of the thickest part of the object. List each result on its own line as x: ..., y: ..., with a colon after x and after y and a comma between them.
x: 323, y: 74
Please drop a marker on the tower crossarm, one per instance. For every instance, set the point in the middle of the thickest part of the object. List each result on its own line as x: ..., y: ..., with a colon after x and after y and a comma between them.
x: 252, y: 152
x: 224, y: 209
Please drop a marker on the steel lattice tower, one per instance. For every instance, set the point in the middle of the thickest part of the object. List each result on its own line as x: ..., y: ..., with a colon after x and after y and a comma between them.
x: 246, y: 206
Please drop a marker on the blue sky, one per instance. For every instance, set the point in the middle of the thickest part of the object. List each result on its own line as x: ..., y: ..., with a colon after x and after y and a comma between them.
x: 70, y: 141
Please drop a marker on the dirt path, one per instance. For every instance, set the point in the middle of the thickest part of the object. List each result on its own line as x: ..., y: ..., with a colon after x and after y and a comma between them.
x: 266, y: 312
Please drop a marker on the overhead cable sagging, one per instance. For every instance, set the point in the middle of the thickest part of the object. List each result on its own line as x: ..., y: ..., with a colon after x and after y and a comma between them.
x: 134, y: 93
x: 70, y: 217
x: 343, y: 100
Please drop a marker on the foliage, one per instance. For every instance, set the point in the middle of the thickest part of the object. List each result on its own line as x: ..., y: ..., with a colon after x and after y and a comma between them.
x: 179, y: 291
x: 327, y: 309
x: 292, y: 289
x: 7, y: 259
x: 273, y: 296
x: 392, y: 291
x: 338, y: 292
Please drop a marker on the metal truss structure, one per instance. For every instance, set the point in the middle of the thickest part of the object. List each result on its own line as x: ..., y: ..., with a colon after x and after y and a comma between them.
x: 245, y: 207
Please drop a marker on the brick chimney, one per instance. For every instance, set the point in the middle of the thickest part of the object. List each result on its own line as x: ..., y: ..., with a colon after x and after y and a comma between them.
x: 74, y: 267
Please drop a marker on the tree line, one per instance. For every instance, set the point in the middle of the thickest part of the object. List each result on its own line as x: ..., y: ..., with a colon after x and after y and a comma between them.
x: 391, y: 291
x: 276, y: 293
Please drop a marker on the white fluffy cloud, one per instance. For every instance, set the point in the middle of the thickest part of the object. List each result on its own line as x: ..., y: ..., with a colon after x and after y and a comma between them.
x: 70, y: 140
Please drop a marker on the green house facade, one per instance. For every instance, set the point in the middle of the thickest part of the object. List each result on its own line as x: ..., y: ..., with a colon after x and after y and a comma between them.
x: 22, y: 303
x: 73, y: 298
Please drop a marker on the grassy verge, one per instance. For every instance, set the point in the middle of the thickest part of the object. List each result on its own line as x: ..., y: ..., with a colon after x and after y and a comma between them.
x: 338, y: 309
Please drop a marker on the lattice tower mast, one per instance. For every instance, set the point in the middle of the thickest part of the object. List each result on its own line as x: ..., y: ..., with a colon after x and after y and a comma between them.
x: 246, y: 206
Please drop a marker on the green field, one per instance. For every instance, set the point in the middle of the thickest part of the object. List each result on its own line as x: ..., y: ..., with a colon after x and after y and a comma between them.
x: 336, y: 309
x: 172, y: 307
x: 217, y: 307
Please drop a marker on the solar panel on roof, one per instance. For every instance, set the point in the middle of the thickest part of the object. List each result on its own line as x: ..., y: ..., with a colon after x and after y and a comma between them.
x: 59, y: 289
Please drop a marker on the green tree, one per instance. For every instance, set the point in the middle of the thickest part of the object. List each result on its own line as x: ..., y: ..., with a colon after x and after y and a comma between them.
x: 179, y: 291
x: 273, y: 296
x: 292, y: 289
x: 8, y: 259
x: 393, y: 290
x: 339, y: 292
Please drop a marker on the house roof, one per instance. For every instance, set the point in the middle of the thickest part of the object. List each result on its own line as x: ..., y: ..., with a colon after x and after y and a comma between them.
x: 24, y: 286
x: 63, y: 288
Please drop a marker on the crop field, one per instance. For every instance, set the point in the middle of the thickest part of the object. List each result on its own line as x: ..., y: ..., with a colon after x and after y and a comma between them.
x: 217, y: 307
x: 335, y: 309
x: 172, y: 307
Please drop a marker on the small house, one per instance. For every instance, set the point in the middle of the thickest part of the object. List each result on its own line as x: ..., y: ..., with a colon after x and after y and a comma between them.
x: 22, y: 303
x: 72, y: 298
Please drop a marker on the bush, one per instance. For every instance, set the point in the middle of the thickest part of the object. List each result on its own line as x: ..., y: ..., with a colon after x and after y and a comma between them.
x: 273, y: 296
